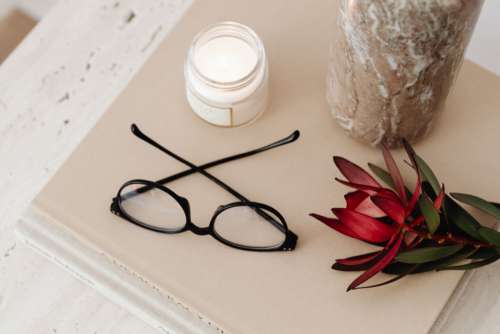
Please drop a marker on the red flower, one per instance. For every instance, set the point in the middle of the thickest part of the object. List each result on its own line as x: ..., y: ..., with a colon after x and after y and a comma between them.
x: 376, y: 214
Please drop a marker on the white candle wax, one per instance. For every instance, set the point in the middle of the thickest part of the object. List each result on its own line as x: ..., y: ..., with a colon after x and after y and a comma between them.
x: 226, y: 75
x: 225, y: 59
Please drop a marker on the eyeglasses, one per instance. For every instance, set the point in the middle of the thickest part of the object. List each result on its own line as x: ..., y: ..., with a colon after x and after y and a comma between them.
x: 244, y: 224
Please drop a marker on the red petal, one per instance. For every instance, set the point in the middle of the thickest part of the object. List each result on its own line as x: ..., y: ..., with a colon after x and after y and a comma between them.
x: 336, y: 225
x: 392, y: 208
x: 410, y: 237
x: 354, y: 173
x: 384, y: 192
x: 367, y: 228
x: 394, y: 279
x: 419, y: 220
x: 360, y: 201
x: 384, y: 261
x: 368, y: 189
x: 367, y: 207
x: 416, y: 242
x: 391, y: 240
x: 357, y: 260
x: 410, y: 152
x: 438, y: 202
x: 353, y: 199
x: 415, y: 196
x: 395, y: 174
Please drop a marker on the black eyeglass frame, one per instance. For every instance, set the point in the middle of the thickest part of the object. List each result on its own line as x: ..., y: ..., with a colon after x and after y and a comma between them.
x: 290, y: 240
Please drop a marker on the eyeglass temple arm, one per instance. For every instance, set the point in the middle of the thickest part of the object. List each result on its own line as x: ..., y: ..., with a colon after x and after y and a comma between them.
x: 137, y: 132
x: 287, y: 140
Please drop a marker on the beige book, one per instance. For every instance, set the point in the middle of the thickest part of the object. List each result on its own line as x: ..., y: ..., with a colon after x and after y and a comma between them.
x: 245, y: 292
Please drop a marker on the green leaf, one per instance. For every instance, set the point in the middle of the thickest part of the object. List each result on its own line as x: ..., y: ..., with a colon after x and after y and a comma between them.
x: 430, y: 213
x: 383, y: 175
x: 457, y: 257
x: 398, y: 268
x: 478, y: 203
x: 473, y: 265
x: 428, y: 174
x: 490, y: 235
x: 427, y: 254
x: 484, y: 253
x: 462, y: 219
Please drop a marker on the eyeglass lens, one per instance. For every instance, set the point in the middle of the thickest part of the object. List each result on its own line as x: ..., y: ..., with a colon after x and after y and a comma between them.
x: 241, y: 225
x: 154, y: 207
x: 244, y: 226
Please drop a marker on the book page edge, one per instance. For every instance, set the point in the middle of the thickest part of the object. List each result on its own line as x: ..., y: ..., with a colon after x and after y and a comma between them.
x: 111, y: 278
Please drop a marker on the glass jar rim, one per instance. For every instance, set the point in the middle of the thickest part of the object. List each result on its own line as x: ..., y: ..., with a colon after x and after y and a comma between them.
x: 251, y: 38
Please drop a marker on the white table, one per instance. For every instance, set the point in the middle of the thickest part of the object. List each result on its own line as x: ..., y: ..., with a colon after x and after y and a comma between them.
x: 53, y: 89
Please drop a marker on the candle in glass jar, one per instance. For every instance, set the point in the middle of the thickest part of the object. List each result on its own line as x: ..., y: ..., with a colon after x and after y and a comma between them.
x: 225, y: 59
x: 226, y: 75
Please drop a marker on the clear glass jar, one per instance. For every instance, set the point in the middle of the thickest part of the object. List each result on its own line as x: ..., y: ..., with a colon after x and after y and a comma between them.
x: 226, y: 75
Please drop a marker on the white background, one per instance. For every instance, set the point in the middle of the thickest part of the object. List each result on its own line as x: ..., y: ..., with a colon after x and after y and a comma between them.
x: 484, y: 48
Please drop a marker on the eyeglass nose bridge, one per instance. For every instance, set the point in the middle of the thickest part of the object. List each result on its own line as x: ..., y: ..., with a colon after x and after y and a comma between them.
x: 198, y: 230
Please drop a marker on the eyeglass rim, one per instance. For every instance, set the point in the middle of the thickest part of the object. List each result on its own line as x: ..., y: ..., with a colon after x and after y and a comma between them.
x: 222, y: 208
x: 116, y: 207
x: 183, y: 202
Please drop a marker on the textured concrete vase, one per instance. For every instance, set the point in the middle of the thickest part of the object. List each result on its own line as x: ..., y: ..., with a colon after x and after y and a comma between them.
x: 393, y: 63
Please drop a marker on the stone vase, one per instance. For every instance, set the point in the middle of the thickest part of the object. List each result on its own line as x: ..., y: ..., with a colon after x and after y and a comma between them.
x: 393, y: 63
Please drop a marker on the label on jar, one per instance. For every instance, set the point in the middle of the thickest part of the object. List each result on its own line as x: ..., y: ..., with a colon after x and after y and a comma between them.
x: 215, y: 115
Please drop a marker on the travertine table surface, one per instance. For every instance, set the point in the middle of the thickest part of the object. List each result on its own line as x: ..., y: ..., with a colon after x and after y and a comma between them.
x: 53, y: 89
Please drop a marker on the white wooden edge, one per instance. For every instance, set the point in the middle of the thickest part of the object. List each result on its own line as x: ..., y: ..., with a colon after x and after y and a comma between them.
x: 111, y: 278
x: 442, y: 321
x: 35, y: 8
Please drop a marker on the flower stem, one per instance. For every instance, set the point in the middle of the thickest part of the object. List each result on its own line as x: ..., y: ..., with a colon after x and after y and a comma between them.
x: 447, y: 238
